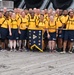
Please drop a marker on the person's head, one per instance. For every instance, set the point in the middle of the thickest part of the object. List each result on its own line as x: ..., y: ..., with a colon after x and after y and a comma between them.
x: 65, y: 12
x: 41, y: 17
x: 32, y: 14
x: 51, y: 10
x: 15, y: 10
x: 42, y: 12
x: 19, y: 10
x: 30, y: 11
x: 70, y: 10
x: 60, y: 12
x: 13, y: 16
x: 35, y: 10
x: 38, y: 11
x: 71, y: 14
x: 26, y: 11
x: 49, y: 13
x: 53, y: 13
x: 6, y: 14
x: 51, y: 18
x: 23, y: 14
x: 4, y: 9
x: 46, y: 11
x: 57, y: 11
x: 10, y: 13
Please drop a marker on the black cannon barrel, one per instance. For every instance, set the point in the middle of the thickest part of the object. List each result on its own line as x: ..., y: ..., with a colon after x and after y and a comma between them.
x: 62, y: 1
x: 33, y: 3
x: 62, y: 4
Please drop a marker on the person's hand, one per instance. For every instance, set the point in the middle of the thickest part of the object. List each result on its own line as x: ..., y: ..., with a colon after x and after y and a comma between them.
x: 60, y: 31
x: 48, y: 36
x: 10, y: 34
x: 56, y: 34
x: 19, y: 32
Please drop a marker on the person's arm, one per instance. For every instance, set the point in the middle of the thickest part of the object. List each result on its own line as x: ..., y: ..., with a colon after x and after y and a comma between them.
x: 19, y: 23
x: 10, y: 32
x: 9, y: 27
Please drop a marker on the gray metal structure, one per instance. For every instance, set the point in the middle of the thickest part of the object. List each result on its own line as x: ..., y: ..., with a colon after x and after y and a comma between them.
x: 10, y: 4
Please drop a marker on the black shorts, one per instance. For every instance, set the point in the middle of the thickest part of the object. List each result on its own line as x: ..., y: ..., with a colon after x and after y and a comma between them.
x: 15, y: 35
x: 23, y: 35
x: 69, y: 35
x: 52, y: 36
x: 61, y: 35
x: 4, y: 33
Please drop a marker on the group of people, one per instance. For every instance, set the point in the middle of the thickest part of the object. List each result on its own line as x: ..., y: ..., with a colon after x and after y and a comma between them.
x: 57, y: 27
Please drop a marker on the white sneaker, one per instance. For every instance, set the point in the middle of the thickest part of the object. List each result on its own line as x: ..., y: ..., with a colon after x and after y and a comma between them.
x: 20, y: 50
x: 11, y: 50
x: 70, y: 52
x: 15, y: 50
x: 24, y: 48
x: 63, y: 52
x: 3, y: 50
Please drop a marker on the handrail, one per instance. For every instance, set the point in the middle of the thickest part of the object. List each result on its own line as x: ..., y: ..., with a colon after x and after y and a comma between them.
x: 21, y: 4
x: 45, y: 3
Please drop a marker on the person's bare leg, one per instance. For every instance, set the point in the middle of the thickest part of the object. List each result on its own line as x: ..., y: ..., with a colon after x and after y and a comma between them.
x: 20, y: 42
x: 68, y: 45
x: 14, y: 45
x: 53, y: 45
x: 6, y: 44
x: 49, y: 45
x: 64, y: 46
x: 11, y: 44
x: 60, y: 44
x: 71, y: 45
x: 3, y: 45
x: 25, y: 43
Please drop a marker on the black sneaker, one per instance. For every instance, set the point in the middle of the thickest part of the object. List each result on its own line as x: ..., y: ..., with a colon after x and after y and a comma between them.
x: 59, y: 49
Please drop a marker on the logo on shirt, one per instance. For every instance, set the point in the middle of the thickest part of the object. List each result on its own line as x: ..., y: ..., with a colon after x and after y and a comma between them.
x: 34, y: 36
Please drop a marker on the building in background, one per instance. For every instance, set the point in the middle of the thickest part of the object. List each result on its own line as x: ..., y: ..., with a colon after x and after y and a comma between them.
x: 6, y: 3
x: 42, y: 4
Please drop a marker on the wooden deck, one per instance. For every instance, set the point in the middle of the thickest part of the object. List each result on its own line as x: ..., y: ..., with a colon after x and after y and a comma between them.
x: 35, y: 63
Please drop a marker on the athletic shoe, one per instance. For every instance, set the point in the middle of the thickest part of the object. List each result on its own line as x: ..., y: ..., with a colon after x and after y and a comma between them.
x: 63, y: 52
x: 70, y: 52
x: 11, y: 50
x: 15, y: 50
